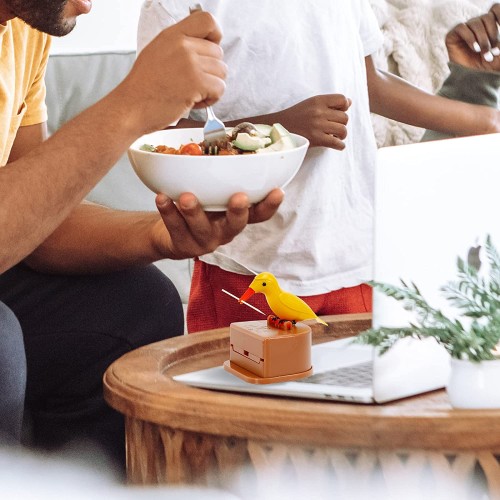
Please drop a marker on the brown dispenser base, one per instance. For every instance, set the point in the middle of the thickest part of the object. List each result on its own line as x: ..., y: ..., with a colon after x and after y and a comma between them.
x: 262, y: 354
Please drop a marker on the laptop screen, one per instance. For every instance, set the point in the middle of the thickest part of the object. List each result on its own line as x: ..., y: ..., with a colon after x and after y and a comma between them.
x: 434, y: 201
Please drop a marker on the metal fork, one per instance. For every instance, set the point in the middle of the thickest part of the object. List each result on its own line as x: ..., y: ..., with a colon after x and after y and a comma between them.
x: 214, y: 131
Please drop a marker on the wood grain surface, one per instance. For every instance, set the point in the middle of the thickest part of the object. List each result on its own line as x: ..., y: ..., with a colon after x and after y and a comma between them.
x: 140, y: 386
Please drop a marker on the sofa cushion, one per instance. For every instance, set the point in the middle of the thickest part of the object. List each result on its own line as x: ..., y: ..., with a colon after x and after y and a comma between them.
x: 76, y: 81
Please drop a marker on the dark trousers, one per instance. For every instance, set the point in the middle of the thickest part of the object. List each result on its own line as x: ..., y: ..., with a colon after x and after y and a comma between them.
x: 74, y: 327
x: 12, y: 376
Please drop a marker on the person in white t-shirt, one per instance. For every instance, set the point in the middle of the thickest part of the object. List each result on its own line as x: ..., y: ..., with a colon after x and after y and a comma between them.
x: 308, y: 66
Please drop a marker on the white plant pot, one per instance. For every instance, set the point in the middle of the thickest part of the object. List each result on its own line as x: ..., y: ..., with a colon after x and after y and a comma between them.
x: 474, y: 385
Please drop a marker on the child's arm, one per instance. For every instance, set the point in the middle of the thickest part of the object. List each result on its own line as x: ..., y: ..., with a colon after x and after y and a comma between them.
x: 395, y: 98
x: 322, y: 119
x: 467, y: 102
x: 473, y: 50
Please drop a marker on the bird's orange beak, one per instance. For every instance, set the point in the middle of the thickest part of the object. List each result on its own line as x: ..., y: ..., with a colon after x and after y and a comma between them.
x: 246, y: 295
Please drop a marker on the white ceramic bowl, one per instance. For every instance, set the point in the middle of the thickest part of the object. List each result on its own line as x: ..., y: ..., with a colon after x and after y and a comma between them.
x: 213, y: 179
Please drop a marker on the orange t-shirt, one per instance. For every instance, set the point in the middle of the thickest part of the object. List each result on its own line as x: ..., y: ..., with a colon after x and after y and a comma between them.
x: 23, y: 58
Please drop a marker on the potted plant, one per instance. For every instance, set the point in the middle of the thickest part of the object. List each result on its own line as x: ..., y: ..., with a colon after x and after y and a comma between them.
x: 471, y: 338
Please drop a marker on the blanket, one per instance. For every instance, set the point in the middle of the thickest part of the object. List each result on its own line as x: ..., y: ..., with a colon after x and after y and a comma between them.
x: 414, y: 48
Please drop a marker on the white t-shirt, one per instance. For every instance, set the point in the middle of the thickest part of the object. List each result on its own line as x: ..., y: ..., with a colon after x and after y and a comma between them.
x: 279, y: 53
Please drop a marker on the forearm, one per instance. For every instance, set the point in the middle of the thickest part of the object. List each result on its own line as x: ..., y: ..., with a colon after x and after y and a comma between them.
x: 95, y: 239
x: 321, y: 119
x: 474, y: 86
x: 395, y: 98
x: 181, y: 69
x: 268, y: 119
x: 290, y: 118
x: 40, y: 189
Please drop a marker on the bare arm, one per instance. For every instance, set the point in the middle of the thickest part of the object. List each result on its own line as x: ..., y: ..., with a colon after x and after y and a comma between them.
x: 96, y: 239
x: 393, y: 97
x: 39, y: 189
x: 322, y: 119
x: 92, y: 238
x: 43, y: 184
x: 28, y: 138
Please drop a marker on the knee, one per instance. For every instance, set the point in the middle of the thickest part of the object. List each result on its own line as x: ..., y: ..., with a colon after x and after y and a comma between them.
x: 13, y: 375
x: 11, y: 340
x: 152, y: 306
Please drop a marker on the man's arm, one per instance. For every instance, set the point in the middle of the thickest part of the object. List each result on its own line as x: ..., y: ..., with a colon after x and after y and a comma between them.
x: 182, y: 68
x: 27, y: 138
x: 39, y: 189
x: 96, y: 239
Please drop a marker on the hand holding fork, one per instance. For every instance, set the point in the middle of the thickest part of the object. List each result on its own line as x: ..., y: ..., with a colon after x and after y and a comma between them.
x: 214, y: 131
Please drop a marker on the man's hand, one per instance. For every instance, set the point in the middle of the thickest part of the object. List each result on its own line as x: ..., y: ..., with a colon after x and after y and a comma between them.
x: 322, y: 119
x: 182, y: 68
x: 192, y: 232
x: 476, y: 43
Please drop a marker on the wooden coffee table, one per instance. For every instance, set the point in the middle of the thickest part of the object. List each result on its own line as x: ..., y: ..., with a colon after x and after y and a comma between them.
x: 179, y: 434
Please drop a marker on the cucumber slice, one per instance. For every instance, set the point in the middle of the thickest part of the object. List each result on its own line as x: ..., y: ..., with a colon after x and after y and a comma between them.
x: 282, y: 144
x: 278, y: 132
x: 263, y: 129
x: 248, y: 142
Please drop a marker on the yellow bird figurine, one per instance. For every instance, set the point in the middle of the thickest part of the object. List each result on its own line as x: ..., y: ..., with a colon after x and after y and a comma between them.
x: 285, y: 305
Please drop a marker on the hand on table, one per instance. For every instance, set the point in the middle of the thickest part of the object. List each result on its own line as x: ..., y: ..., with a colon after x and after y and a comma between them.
x: 322, y: 119
x: 192, y: 232
x: 476, y: 43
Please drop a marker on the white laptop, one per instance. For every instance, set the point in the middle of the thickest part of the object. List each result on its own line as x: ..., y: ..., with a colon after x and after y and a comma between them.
x: 434, y: 201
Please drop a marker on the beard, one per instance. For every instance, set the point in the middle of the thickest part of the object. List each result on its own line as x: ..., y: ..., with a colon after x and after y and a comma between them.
x: 43, y: 15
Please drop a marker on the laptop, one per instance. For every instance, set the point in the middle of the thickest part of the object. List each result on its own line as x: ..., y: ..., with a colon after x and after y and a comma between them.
x: 434, y: 201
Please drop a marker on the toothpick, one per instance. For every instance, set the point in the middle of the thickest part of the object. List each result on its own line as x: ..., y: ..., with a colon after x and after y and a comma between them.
x: 243, y: 302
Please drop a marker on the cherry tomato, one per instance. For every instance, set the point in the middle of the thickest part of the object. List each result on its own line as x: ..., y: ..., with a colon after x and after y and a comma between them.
x: 191, y: 149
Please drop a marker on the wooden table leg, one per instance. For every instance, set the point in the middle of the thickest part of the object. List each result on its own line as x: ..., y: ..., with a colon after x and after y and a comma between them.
x: 158, y: 454
x: 254, y: 469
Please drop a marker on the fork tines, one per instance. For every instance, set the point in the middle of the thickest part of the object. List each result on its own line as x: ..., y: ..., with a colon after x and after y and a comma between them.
x: 214, y: 148
x: 214, y: 131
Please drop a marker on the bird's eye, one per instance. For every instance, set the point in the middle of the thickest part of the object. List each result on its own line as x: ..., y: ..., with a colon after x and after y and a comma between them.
x: 264, y: 284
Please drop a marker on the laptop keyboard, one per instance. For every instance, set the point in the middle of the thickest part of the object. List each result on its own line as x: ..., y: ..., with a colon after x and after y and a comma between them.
x: 360, y: 375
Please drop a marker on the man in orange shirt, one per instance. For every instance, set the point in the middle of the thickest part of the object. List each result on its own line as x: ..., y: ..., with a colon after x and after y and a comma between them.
x: 76, y: 278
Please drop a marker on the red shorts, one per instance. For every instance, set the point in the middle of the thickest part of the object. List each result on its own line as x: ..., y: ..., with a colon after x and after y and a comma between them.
x: 209, y: 307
